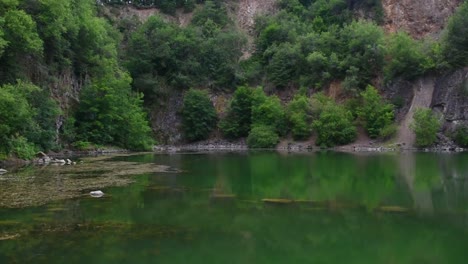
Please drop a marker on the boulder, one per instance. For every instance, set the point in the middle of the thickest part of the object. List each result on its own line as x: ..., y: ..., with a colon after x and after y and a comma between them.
x: 3, y: 171
x: 96, y: 194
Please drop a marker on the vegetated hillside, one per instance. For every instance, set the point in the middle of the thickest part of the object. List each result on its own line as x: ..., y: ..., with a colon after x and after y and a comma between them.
x: 76, y: 71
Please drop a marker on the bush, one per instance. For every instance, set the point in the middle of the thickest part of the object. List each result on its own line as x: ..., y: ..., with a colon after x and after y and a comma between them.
x: 375, y: 113
x: 461, y: 136
x: 237, y: 122
x: 110, y: 114
x: 406, y: 57
x: 334, y: 126
x: 455, y: 42
x: 21, y: 148
x: 198, y: 115
x: 425, y: 125
x: 262, y: 136
x: 300, y: 117
x: 268, y: 111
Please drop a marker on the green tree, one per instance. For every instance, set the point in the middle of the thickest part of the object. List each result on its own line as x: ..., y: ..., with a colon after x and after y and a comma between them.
x: 300, y: 117
x: 376, y: 114
x: 198, y: 115
x: 268, y: 111
x: 455, y: 42
x: 262, y: 136
x: 425, y: 125
x: 461, y: 135
x: 334, y: 126
x: 238, y: 119
x: 111, y: 114
x: 405, y: 57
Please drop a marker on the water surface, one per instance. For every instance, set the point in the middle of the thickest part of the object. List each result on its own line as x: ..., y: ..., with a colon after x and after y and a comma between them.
x: 210, y: 208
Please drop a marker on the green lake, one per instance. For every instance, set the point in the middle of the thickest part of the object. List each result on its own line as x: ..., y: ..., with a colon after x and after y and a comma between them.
x: 239, y: 207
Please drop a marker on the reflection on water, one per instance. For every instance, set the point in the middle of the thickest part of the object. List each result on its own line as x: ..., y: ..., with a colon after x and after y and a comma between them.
x: 366, y: 208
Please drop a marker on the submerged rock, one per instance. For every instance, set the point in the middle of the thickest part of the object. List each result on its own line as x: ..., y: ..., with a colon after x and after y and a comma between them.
x: 96, y: 194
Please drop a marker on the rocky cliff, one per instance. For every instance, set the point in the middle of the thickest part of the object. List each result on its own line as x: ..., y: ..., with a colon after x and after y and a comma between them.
x: 418, y: 17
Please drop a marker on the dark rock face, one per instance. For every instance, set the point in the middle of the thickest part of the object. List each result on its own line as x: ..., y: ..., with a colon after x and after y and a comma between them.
x: 451, y: 98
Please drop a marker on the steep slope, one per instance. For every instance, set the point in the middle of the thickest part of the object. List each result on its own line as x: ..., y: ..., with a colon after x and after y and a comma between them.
x: 423, y: 89
x: 419, y: 17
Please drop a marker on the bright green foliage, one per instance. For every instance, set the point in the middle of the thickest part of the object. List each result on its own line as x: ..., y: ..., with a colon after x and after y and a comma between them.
x: 16, y: 116
x: 27, y: 120
x: 376, y: 114
x: 268, y: 111
x: 238, y: 119
x: 425, y: 125
x: 110, y: 114
x: 461, y: 135
x: 198, y: 115
x: 455, y: 42
x: 300, y: 117
x: 334, y: 126
x: 22, y: 148
x: 262, y: 136
x: 406, y: 57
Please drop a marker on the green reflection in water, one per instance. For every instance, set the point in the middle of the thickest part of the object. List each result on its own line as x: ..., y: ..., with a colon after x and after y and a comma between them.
x: 212, y: 212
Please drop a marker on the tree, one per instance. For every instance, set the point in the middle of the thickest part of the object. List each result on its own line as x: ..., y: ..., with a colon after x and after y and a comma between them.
x: 111, y: 114
x: 425, y: 125
x: 262, y: 136
x: 455, y: 42
x: 198, y: 115
x: 405, y: 57
x: 238, y: 119
x: 268, y: 111
x: 334, y: 126
x: 300, y: 117
x: 374, y: 112
x: 461, y: 135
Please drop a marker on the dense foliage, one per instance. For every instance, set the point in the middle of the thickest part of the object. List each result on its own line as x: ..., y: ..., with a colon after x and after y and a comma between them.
x: 461, y: 135
x: 375, y: 113
x: 53, y: 49
x: 334, y: 126
x: 425, y: 126
x: 300, y: 117
x: 262, y: 136
x: 73, y: 75
x: 238, y: 118
x: 456, y: 42
x: 198, y: 115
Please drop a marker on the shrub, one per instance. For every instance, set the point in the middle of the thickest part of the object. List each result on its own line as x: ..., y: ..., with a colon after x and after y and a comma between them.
x: 375, y: 113
x: 455, y: 42
x: 425, y: 125
x: 262, y: 136
x: 237, y: 122
x: 268, y: 111
x: 334, y: 126
x: 21, y: 148
x: 198, y: 115
x: 461, y: 135
x: 300, y: 117
x: 405, y: 57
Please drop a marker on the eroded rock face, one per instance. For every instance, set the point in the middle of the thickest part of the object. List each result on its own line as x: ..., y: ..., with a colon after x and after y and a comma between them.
x: 418, y: 17
x: 451, y: 98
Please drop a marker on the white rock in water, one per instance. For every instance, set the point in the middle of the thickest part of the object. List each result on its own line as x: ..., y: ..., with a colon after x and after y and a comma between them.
x: 96, y: 194
x: 69, y: 162
x: 2, y: 171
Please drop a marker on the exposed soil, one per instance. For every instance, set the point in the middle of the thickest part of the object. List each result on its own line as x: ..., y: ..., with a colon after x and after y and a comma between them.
x: 423, y: 92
